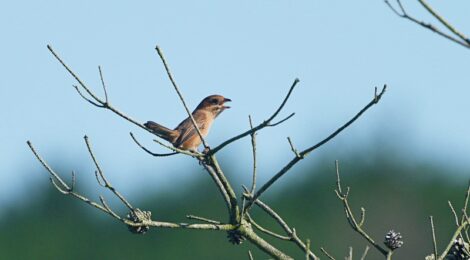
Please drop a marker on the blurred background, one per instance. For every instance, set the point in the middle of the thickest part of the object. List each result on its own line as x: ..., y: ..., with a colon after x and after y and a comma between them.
x: 404, y: 159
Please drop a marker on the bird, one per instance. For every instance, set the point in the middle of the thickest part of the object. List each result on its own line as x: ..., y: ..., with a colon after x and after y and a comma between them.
x: 185, y: 136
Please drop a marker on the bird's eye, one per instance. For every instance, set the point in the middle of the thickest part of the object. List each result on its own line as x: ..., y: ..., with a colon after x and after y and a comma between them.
x: 214, y: 101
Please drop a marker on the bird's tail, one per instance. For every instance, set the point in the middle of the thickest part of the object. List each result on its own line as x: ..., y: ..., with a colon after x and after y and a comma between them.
x: 161, y: 131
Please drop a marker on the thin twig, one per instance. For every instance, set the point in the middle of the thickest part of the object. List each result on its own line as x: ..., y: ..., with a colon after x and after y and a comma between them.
x: 219, y: 185
x: 203, y: 219
x: 48, y: 168
x: 72, y: 186
x: 462, y: 228
x: 363, y: 217
x: 148, y: 151
x: 363, y: 257
x: 350, y: 216
x: 267, y: 231
x: 170, y: 76
x: 443, y: 21
x: 434, y: 244
x: 66, y: 190
x: 465, y: 204
x: 177, y: 150
x: 454, y: 236
x: 294, y: 150
x: 456, y: 218
x: 289, y: 231
x: 97, y: 101
x: 282, y: 120
x: 234, y: 209
x: 327, y: 254
x: 464, y: 42
x: 260, y: 126
x: 86, y: 98
x: 270, y: 212
x: 106, y: 105
x: 253, y: 145
x: 107, y: 184
x: 350, y: 256
x: 307, y: 253
x: 250, y: 256
x: 110, y: 211
x: 157, y: 224
x: 104, y: 85
x: 305, y: 152
x: 60, y: 189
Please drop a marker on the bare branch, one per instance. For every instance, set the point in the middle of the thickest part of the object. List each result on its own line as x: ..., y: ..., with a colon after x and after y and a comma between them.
x: 270, y: 212
x: 105, y: 208
x: 148, y: 151
x: 464, y: 223
x: 87, y: 99
x: 456, y: 218
x: 104, y: 85
x: 219, y: 185
x: 433, y: 237
x: 294, y: 150
x: 110, y: 211
x: 107, y: 184
x: 159, y: 224
x: 177, y: 150
x: 253, y: 145
x: 203, y: 219
x: 267, y: 231
x: 350, y: 216
x: 98, y: 179
x: 307, y: 253
x: 210, y: 162
x: 459, y: 38
x: 48, y: 168
x: 305, y: 152
x: 465, y: 204
x: 170, y: 76
x: 261, y: 243
x: 350, y: 256
x: 444, y: 22
x: 97, y: 101
x: 72, y: 186
x: 66, y: 190
x: 250, y: 256
x: 75, y: 76
x: 57, y: 187
x: 363, y: 257
x: 363, y: 217
x: 281, y: 121
x: 290, y: 231
x: 326, y: 253
x: 258, y: 127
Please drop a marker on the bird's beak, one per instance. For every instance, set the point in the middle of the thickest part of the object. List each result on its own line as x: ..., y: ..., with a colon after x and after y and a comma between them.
x: 227, y: 100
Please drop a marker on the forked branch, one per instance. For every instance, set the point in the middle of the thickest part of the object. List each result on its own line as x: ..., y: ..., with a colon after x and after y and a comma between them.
x: 355, y: 225
x: 65, y: 189
x: 301, y: 155
x: 265, y: 123
x: 454, y: 35
x: 240, y: 222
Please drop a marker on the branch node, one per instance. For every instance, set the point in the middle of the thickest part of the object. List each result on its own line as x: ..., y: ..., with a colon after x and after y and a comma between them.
x: 138, y: 216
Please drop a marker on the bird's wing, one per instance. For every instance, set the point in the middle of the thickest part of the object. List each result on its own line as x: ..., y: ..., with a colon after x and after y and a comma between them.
x: 187, y: 130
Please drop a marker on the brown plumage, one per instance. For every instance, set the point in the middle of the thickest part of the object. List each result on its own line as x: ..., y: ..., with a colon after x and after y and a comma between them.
x: 185, y: 136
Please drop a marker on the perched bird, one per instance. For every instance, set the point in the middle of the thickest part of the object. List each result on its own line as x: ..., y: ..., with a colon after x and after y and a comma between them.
x: 185, y: 136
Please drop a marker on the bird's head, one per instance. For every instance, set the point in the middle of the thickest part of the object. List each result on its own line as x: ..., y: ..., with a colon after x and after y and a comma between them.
x: 214, y: 104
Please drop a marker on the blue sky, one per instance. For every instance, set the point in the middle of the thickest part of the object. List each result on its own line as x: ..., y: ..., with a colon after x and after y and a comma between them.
x: 249, y: 51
